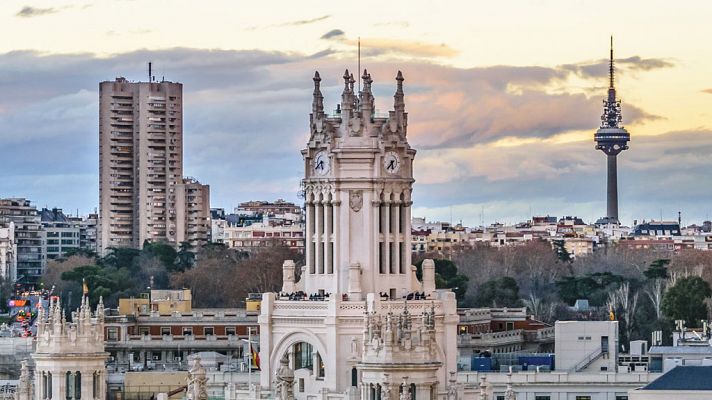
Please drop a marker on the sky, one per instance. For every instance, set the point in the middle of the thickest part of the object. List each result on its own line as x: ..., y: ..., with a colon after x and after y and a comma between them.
x: 503, y: 97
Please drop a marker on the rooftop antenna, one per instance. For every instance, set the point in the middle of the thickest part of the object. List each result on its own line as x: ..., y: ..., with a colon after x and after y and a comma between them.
x: 149, y: 71
x: 359, y: 64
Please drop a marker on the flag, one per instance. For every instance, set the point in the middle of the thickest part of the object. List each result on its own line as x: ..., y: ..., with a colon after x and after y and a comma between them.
x: 611, y: 314
x: 85, y: 288
x: 255, y: 357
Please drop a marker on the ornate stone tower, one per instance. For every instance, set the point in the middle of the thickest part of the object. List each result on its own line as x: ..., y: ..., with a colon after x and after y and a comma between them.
x: 357, y: 186
x: 70, y: 358
x: 612, y: 138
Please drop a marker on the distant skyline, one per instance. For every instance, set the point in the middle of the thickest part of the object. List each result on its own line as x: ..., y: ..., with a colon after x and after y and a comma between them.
x: 503, y: 97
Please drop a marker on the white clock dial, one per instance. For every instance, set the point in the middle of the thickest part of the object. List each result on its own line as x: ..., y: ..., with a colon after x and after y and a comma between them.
x: 391, y: 162
x: 321, y: 163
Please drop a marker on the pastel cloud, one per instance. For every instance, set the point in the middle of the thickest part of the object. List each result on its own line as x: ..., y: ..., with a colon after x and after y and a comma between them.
x: 484, y: 135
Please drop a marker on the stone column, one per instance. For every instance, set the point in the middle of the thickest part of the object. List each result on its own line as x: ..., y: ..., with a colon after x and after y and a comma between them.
x: 310, y: 237
x: 87, y: 389
x: 315, y: 364
x: 319, y: 215
x: 397, y: 239
x: 58, y: 385
x: 329, y: 218
x: 387, y: 238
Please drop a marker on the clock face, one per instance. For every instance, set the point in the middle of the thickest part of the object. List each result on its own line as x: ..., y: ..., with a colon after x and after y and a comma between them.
x: 391, y: 162
x: 321, y: 163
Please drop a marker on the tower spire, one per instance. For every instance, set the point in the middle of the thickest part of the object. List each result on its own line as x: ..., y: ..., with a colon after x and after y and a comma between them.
x: 318, y: 102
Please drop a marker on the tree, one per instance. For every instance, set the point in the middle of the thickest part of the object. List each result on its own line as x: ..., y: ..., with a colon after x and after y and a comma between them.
x: 502, y: 292
x: 446, y: 277
x: 686, y: 300
x: 657, y: 275
x: 186, y: 257
x: 164, y: 252
x: 559, y: 246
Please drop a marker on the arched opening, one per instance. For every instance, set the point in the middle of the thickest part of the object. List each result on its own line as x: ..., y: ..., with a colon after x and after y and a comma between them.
x: 308, y: 367
x: 354, y: 376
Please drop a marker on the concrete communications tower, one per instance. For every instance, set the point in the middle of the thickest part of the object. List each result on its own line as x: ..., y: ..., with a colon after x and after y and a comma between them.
x: 612, y: 138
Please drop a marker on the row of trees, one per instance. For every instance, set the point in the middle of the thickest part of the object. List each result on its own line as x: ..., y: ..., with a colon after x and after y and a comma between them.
x: 218, y: 277
x: 646, y: 290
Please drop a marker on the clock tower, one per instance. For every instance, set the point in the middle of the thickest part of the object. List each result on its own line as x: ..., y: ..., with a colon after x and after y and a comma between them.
x: 366, y: 326
x: 357, y: 187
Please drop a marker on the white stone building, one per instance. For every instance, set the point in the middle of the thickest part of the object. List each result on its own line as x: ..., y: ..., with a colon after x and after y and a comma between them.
x: 357, y: 186
x: 8, y: 253
x: 69, y: 356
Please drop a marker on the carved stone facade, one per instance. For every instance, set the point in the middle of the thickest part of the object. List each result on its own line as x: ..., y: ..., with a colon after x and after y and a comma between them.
x: 70, y: 357
x: 357, y: 187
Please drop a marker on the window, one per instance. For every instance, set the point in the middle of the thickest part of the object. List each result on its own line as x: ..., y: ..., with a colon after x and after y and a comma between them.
x: 230, y: 330
x: 621, y: 397
x: 188, y: 331
x: 165, y: 330
x: 143, y: 330
x: 112, y: 334
x: 583, y: 397
x: 510, y: 326
x: 209, y: 331
x: 542, y: 397
x: 301, y: 385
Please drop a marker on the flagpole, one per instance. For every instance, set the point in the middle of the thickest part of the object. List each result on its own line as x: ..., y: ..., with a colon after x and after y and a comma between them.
x: 249, y: 374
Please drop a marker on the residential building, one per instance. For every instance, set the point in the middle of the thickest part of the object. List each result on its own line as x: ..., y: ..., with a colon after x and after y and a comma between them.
x: 276, y: 208
x: 59, y: 233
x: 259, y: 235
x: 192, y: 213
x: 28, y: 237
x: 88, y: 232
x: 140, y: 161
x: 657, y: 228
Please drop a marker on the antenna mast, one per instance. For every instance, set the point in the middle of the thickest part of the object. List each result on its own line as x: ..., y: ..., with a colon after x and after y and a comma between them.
x: 149, y: 71
x: 359, y: 64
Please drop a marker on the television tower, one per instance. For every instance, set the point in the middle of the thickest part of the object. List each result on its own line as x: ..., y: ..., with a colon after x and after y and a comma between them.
x: 612, y: 138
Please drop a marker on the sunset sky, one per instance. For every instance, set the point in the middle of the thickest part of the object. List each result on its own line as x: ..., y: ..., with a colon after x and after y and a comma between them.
x: 503, y: 97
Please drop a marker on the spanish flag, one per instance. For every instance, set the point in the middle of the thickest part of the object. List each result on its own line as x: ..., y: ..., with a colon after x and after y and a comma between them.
x: 85, y: 288
x: 611, y: 314
x: 255, y: 357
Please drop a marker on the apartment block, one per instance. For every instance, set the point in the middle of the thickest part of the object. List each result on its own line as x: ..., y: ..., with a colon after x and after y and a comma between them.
x: 193, y: 212
x: 59, y: 233
x: 140, y: 161
x: 28, y: 238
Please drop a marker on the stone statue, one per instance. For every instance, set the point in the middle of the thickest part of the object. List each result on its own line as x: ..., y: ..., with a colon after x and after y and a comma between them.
x: 405, y: 393
x: 197, y: 382
x: 385, y: 391
x: 24, y: 386
x: 509, y: 392
x: 284, y: 380
x: 452, y: 387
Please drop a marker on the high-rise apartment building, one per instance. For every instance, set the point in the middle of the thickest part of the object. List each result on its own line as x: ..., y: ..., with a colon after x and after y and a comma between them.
x: 193, y: 212
x: 140, y: 161
x: 28, y: 237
